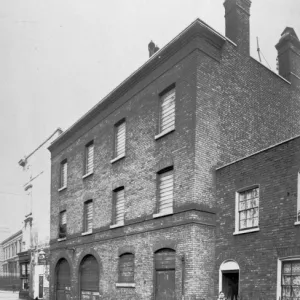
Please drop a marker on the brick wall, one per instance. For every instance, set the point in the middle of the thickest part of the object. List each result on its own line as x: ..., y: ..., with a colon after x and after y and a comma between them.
x: 275, y: 171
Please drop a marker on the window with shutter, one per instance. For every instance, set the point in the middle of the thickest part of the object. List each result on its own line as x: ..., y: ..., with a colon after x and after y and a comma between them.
x: 165, y: 191
x: 88, y: 217
x: 126, y: 268
x: 167, y: 111
x: 119, y: 205
x: 63, y: 174
x: 120, y: 139
x: 89, y: 158
x: 62, y: 224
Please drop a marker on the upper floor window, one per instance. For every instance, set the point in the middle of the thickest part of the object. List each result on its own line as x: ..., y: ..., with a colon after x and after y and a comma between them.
x: 119, y: 206
x: 165, y: 191
x: 126, y: 268
x: 120, y: 139
x: 63, y: 173
x: 247, y: 209
x: 88, y: 216
x: 89, y: 158
x: 62, y: 224
x: 167, y: 110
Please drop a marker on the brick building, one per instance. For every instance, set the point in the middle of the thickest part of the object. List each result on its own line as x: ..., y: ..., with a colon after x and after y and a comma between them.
x: 257, y: 236
x: 133, y: 189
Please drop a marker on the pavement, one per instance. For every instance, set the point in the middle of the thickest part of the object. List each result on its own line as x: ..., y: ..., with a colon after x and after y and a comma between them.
x: 8, y: 295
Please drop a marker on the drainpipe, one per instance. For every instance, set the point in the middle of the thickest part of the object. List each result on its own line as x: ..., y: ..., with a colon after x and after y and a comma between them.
x: 182, y: 276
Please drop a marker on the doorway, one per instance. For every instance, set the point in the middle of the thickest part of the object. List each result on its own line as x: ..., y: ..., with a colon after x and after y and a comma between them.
x: 63, y: 282
x: 230, y: 284
x: 41, y: 286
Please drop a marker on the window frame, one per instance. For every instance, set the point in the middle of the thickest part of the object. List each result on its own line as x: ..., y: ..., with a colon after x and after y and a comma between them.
x: 114, y: 208
x: 237, y: 216
x: 160, y: 132
x: 87, y: 172
x: 121, y: 282
x: 61, y: 234
x: 159, y: 213
x: 62, y: 184
x: 85, y: 219
x: 116, y: 155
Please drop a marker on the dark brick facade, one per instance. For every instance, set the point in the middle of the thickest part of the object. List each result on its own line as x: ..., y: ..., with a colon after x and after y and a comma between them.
x: 228, y: 105
x: 258, y: 253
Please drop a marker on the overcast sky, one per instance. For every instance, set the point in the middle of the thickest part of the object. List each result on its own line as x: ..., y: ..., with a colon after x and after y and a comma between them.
x: 58, y: 58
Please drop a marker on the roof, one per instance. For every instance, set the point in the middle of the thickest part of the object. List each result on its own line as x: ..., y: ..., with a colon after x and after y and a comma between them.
x: 196, y: 28
x: 11, y: 237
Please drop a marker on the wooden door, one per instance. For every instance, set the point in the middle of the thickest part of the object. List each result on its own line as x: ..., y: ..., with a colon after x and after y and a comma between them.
x: 89, y: 278
x: 41, y: 286
x: 165, y: 274
x: 63, y: 284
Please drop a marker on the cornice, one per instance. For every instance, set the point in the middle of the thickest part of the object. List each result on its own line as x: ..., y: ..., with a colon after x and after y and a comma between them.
x: 10, y: 238
x: 198, y: 29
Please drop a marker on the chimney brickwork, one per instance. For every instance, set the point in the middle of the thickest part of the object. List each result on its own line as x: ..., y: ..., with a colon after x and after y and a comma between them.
x: 237, y: 19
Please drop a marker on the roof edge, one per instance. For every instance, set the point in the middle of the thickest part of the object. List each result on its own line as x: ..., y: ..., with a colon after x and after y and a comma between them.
x: 11, y: 237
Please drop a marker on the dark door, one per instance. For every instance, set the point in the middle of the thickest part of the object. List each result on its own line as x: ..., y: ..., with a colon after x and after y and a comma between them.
x: 63, y: 285
x: 89, y: 278
x: 41, y: 286
x: 165, y: 274
x: 230, y: 285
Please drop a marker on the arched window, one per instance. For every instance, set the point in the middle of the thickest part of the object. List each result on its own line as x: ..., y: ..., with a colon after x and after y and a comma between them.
x: 229, y: 279
x: 126, y: 268
x: 89, y: 277
x: 164, y: 260
x: 63, y: 282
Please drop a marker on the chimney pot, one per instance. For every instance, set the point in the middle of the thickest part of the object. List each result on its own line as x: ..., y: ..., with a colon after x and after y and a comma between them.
x: 152, y: 48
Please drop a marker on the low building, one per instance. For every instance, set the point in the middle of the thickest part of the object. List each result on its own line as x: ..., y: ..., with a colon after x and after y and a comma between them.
x: 10, y: 272
x: 133, y: 185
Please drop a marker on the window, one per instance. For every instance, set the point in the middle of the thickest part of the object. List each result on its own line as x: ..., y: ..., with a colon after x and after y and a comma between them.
x: 119, y: 205
x: 126, y: 268
x: 167, y: 110
x: 165, y: 191
x: 88, y: 216
x: 62, y: 224
x: 290, y: 280
x: 247, y: 210
x: 120, y: 139
x: 63, y: 174
x: 89, y: 158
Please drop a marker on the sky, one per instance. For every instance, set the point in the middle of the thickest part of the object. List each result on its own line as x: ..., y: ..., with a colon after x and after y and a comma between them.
x: 58, y: 58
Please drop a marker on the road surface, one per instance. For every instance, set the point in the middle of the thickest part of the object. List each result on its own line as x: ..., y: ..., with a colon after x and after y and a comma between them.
x: 7, y: 295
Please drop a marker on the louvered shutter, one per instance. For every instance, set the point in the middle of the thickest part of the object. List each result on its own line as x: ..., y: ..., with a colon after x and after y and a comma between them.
x: 126, y: 268
x: 63, y: 174
x: 166, y: 192
x: 89, y: 216
x: 167, y: 118
x: 120, y: 139
x: 89, y: 158
x: 119, y: 201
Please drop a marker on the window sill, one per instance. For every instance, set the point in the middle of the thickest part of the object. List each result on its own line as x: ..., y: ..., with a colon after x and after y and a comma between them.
x: 117, y: 158
x: 246, y: 231
x: 87, y: 233
x: 163, y: 133
x: 61, y: 239
x: 297, y: 223
x: 162, y: 214
x: 62, y: 188
x: 125, y: 285
x: 87, y: 174
x: 116, y: 225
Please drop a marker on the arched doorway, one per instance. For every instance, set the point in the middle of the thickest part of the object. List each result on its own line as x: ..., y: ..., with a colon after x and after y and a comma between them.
x: 63, y: 283
x: 89, y: 278
x: 165, y: 274
x: 229, y: 277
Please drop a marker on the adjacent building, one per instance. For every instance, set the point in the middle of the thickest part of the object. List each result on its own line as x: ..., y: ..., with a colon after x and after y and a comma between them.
x: 134, y: 192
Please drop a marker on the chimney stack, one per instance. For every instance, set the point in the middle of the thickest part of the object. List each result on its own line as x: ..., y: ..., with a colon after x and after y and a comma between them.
x: 152, y: 48
x: 237, y: 23
x: 288, y: 49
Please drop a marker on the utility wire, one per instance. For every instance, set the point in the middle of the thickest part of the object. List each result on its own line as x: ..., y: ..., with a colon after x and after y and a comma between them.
x: 265, y: 59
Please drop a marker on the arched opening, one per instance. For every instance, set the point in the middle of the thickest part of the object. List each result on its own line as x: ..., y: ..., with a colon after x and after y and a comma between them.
x: 63, y: 282
x: 229, y: 276
x: 164, y: 261
x: 89, y: 278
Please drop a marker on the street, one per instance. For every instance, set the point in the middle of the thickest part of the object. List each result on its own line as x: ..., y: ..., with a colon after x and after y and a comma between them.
x: 8, y: 295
